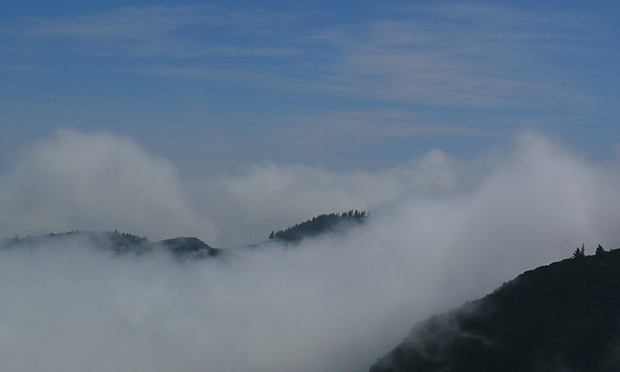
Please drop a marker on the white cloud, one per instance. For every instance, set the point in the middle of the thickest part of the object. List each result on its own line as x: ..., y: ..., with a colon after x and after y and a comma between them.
x: 449, y: 231
x: 76, y: 181
x: 270, y: 197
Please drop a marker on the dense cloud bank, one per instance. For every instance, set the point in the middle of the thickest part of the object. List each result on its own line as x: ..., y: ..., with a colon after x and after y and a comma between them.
x: 75, y: 181
x: 101, y: 181
x: 445, y: 231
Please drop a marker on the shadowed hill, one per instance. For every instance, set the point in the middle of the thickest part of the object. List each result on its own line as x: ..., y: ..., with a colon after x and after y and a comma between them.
x: 188, y: 247
x: 191, y: 247
x: 560, y: 317
x: 121, y: 243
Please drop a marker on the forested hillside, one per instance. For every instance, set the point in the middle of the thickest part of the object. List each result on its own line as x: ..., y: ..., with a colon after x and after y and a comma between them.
x: 119, y: 243
x: 561, y: 317
x: 320, y: 224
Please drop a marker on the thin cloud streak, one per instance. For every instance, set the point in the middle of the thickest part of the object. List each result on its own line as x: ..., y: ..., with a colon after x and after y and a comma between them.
x: 467, y: 56
x: 157, y: 31
x: 462, y: 58
x: 376, y: 125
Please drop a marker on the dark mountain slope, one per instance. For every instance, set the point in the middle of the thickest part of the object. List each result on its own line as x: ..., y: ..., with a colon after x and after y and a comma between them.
x: 561, y: 317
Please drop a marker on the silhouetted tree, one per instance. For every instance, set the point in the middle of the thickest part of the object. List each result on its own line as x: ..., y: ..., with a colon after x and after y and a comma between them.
x: 580, y: 252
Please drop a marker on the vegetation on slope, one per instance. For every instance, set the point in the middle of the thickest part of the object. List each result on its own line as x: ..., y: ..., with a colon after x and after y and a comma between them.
x: 561, y: 317
x: 189, y: 247
x: 319, y: 225
x: 121, y: 243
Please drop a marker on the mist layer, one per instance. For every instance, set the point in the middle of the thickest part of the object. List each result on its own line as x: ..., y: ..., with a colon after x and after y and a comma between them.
x: 445, y: 231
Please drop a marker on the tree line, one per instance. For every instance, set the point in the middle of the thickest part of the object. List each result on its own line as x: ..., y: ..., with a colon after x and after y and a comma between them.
x: 318, y: 225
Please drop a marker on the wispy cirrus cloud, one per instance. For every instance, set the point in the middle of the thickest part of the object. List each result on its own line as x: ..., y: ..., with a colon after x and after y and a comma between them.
x: 180, y: 31
x: 462, y: 55
x: 313, y: 81
x: 467, y: 55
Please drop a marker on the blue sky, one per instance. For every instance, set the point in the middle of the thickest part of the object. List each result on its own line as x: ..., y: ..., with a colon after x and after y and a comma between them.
x: 213, y: 87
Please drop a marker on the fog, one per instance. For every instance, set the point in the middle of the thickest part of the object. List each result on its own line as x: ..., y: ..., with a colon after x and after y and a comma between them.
x: 442, y: 231
x: 77, y: 181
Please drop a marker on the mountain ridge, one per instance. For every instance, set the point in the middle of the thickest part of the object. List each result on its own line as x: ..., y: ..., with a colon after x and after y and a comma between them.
x: 123, y: 243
